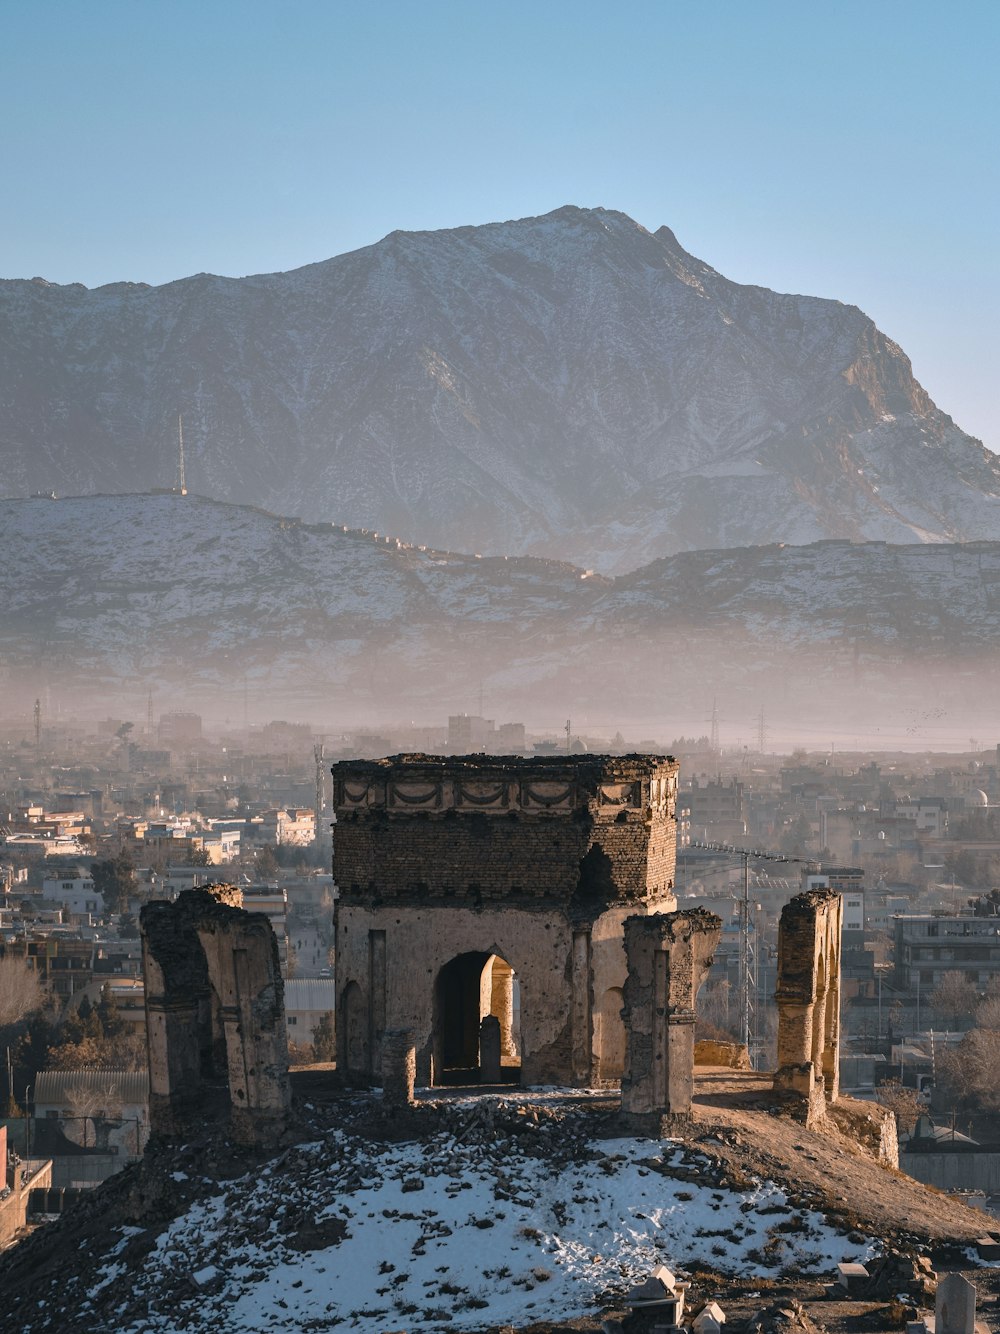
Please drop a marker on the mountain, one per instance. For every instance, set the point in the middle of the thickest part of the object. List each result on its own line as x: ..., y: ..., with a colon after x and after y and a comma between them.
x: 571, y: 385
x: 210, y: 604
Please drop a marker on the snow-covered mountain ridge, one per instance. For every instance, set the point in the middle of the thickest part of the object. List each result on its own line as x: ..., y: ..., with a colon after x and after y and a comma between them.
x: 570, y: 385
x: 196, y: 596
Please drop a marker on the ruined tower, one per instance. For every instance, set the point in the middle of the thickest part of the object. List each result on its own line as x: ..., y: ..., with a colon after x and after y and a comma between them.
x: 808, y: 997
x: 669, y: 956
x: 474, y: 887
x: 215, y: 1015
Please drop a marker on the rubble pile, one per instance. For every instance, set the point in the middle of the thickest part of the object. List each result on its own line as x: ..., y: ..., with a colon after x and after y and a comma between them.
x: 784, y: 1317
x: 895, y: 1273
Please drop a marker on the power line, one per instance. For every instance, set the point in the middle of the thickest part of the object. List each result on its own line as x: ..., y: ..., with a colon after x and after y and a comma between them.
x: 748, y: 975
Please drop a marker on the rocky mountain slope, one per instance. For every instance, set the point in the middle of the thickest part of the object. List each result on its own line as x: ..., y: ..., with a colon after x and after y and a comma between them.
x: 206, y: 601
x: 570, y: 385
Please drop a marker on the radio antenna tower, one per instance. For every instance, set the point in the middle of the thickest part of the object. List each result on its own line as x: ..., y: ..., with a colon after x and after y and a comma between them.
x: 181, y: 480
x: 319, y: 754
x: 761, y: 733
x: 713, y: 741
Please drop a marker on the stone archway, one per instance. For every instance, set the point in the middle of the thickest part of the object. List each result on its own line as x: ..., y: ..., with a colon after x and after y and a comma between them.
x: 476, y: 1021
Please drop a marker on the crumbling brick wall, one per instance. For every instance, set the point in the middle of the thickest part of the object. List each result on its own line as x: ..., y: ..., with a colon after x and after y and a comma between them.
x: 669, y: 955
x: 215, y: 1017
x: 584, y: 833
x: 808, y: 995
x: 535, y: 862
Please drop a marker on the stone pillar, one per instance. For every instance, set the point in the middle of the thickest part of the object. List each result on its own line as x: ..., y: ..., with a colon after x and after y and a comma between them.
x: 581, y: 1018
x: 502, y: 1005
x: 668, y: 956
x: 808, y: 997
x: 831, y: 1049
x: 818, y: 1029
x: 795, y: 1034
x: 399, y: 1067
x: 215, y: 1018
x: 489, y: 1050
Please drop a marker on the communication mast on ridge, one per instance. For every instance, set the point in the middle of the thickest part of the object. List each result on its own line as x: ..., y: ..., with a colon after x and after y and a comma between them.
x: 181, y: 480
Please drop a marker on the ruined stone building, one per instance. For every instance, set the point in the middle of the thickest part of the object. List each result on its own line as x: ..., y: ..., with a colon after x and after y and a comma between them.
x: 482, y: 905
x: 669, y: 955
x: 215, y: 1020
x: 808, y: 997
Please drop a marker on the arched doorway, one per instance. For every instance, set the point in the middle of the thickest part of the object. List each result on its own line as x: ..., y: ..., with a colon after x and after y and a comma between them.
x: 477, y: 1037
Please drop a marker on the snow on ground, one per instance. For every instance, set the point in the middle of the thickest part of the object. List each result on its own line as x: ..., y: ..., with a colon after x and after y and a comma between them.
x: 441, y: 1234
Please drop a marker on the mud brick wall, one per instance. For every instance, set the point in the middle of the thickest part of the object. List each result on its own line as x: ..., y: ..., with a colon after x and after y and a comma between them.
x: 585, y: 834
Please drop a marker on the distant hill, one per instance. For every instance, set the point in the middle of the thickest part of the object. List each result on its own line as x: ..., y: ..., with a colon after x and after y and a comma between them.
x: 111, y: 596
x: 570, y: 385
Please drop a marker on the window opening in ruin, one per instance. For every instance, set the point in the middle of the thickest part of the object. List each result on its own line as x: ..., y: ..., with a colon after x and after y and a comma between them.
x: 477, y: 1030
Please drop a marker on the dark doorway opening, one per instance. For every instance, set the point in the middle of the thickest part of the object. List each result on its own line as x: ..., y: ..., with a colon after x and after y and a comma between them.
x: 477, y: 1038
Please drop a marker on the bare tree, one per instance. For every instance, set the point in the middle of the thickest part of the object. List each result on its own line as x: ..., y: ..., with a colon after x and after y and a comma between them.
x: 95, y: 1110
x: 713, y: 1011
x: 971, y: 1069
x: 954, y: 998
x: 903, y: 1101
x: 21, y: 992
x: 988, y: 1012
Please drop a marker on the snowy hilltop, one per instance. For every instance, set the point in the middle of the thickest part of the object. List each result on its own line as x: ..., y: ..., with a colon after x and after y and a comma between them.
x: 472, y: 1213
x: 571, y: 386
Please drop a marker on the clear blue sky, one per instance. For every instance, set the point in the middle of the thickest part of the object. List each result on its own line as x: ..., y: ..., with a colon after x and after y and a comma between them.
x: 842, y: 149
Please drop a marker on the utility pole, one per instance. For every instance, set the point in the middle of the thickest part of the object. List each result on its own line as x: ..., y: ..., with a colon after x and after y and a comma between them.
x: 181, y: 480
x: 748, y: 980
x: 748, y: 963
x: 319, y: 752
